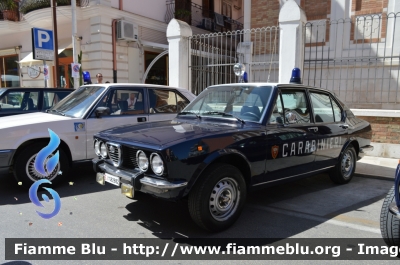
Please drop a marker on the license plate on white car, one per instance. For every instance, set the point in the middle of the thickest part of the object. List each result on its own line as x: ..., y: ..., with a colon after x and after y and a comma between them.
x: 111, y: 179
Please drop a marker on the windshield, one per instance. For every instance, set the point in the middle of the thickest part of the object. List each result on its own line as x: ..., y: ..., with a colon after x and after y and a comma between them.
x: 76, y: 104
x: 243, y: 102
x: 2, y: 90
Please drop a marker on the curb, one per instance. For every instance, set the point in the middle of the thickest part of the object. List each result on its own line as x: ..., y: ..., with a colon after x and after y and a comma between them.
x: 363, y: 175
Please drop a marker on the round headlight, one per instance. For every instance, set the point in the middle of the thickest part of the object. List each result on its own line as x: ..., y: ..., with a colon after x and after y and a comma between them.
x: 142, y: 160
x: 103, y: 150
x: 157, y: 164
x: 97, y: 147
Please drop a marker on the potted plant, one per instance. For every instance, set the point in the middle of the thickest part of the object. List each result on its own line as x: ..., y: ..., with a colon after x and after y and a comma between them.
x: 183, y: 15
x: 9, y: 9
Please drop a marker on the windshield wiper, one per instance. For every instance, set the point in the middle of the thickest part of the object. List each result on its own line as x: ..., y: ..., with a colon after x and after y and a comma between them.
x: 59, y: 112
x: 225, y: 114
x: 190, y: 112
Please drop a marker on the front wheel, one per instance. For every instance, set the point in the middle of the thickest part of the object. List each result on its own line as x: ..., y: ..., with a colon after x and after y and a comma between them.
x: 390, y: 224
x: 217, y: 199
x: 343, y: 172
x: 24, y: 166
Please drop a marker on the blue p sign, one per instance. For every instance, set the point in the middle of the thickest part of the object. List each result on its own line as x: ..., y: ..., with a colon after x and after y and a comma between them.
x: 43, y: 39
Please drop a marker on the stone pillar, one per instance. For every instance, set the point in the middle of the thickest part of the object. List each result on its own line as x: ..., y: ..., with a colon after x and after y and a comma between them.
x: 291, y: 48
x: 179, y: 73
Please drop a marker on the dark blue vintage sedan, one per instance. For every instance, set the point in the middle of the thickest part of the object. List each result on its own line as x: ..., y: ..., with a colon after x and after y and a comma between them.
x: 231, y: 140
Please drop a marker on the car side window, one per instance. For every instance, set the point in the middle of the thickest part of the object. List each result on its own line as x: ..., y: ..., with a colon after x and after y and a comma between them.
x: 295, y: 106
x: 51, y: 98
x: 337, y: 111
x: 163, y: 101
x: 20, y: 100
x: 322, y: 107
x: 123, y: 102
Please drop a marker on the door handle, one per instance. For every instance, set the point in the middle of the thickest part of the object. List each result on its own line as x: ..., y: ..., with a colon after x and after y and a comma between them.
x: 344, y: 126
x: 314, y: 129
x: 141, y: 119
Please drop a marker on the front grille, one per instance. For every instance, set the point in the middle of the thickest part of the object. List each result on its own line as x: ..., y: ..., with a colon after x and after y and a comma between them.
x: 114, y: 152
x: 129, y: 157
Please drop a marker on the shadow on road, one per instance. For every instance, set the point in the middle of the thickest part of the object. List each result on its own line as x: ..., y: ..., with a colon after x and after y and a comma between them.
x: 83, y: 179
x: 172, y: 220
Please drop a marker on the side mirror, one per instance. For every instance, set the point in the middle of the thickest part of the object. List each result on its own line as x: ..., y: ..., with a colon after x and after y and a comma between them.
x: 102, y: 111
x: 291, y: 117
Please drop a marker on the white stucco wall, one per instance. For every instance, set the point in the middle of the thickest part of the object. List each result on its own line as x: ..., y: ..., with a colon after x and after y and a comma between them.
x: 154, y: 9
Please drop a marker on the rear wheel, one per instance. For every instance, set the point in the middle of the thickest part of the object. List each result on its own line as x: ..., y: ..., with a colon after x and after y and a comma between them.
x: 24, y: 166
x: 390, y: 224
x: 217, y: 200
x: 343, y: 172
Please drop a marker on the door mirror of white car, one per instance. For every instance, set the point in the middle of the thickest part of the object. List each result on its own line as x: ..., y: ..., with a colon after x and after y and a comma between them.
x: 102, y: 111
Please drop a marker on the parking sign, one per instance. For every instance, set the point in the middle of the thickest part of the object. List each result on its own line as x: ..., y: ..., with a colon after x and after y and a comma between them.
x: 42, y: 44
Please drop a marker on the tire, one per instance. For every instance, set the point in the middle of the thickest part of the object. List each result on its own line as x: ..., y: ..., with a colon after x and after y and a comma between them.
x: 222, y: 182
x: 390, y: 224
x: 25, y: 172
x: 343, y: 172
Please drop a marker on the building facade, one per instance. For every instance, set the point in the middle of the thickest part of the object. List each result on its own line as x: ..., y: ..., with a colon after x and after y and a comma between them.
x: 136, y: 47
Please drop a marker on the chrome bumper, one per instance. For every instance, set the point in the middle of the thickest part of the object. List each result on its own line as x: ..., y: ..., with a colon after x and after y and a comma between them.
x: 363, y: 151
x: 366, y: 148
x: 135, y: 180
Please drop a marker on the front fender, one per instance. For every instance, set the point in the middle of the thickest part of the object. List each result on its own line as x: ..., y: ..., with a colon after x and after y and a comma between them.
x: 211, y: 159
x: 15, y: 138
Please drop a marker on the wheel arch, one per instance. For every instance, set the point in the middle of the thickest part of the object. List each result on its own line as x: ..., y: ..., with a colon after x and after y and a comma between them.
x: 354, y: 142
x: 44, y: 140
x: 231, y: 157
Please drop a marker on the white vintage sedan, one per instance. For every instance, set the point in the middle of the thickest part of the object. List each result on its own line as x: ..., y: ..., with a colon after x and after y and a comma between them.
x: 88, y: 110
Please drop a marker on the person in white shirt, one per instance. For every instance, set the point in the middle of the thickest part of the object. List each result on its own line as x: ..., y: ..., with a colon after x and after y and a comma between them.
x: 131, y: 101
x: 99, y: 77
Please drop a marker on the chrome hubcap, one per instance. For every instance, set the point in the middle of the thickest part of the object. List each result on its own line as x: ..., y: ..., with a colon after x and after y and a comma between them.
x: 32, y: 173
x: 224, y: 199
x: 347, y: 164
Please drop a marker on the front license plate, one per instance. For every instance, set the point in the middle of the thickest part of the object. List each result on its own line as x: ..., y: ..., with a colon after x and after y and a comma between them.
x: 111, y: 179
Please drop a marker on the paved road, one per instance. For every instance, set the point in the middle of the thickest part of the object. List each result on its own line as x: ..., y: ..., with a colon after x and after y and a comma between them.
x: 309, y: 208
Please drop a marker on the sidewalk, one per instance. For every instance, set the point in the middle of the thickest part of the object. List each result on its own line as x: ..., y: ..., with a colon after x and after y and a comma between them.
x: 371, y: 166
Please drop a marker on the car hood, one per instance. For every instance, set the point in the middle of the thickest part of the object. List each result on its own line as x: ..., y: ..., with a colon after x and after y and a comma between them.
x: 29, y: 119
x: 165, y: 132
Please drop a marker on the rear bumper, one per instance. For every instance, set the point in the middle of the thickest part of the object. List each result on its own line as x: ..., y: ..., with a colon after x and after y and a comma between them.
x: 363, y: 151
x: 136, y: 180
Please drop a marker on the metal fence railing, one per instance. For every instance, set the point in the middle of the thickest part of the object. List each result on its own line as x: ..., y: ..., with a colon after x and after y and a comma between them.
x: 214, y: 55
x: 357, y: 58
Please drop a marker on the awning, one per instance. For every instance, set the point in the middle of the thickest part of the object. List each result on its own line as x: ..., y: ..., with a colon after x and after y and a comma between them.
x: 29, y: 61
x: 154, y: 45
x: 8, y: 52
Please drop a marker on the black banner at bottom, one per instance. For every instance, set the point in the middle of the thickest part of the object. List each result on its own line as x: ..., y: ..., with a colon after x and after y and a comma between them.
x: 199, y: 249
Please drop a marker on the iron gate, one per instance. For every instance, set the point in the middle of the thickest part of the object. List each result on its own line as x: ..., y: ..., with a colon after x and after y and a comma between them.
x: 214, y: 55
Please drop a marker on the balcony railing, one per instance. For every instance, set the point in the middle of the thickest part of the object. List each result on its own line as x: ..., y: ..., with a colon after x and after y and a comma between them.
x: 27, y: 6
x: 197, y: 16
